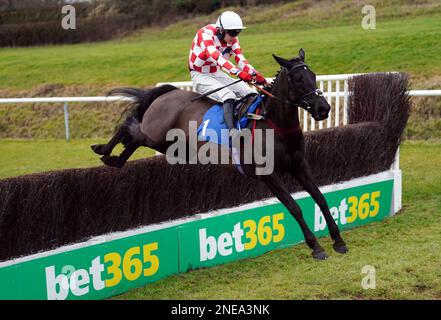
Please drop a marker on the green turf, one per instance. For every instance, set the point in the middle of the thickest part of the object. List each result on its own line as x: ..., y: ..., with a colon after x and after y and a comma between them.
x: 405, y: 249
x: 406, y: 38
x: 30, y: 156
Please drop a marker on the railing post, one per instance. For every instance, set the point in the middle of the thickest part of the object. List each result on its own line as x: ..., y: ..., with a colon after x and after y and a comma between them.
x: 320, y: 124
x: 345, y: 102
x: 329, y: 99
x: 66, y: 120
x: 397, y: 189
x: 305, y: 120
x: 337, y: 104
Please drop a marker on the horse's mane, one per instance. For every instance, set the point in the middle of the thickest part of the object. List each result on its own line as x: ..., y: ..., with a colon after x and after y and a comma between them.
x: 270, y: 86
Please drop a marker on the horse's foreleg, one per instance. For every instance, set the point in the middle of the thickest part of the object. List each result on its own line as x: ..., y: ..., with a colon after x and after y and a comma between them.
x: 119, y: 161
x: 304, y: 176
x: 106, y: 149
x: 279, y: 190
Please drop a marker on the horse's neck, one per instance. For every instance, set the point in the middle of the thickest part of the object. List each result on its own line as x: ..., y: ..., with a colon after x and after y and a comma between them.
x: 284, y: 115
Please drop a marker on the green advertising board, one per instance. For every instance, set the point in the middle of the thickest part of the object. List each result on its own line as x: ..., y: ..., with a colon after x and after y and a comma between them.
x: 134, y: 259
x: 94, y: 272
x: 255, y: 231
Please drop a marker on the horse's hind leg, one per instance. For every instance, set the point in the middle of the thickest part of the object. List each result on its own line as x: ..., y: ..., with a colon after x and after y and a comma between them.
x: 119, y: 161
x: 279, y: 190
x: 304, y: 176
x: 106, y: 149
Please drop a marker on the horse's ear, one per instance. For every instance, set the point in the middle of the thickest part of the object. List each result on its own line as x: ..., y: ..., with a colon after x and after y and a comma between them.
x: 281, y: 61
x: 302, y: 54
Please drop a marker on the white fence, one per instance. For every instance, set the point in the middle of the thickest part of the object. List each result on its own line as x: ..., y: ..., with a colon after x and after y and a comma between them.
x: 334, y: 87
x: 336, y: 93
x: 336, y: 90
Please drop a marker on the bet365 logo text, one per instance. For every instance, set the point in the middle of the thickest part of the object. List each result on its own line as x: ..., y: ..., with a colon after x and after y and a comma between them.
x: 134, y: 263
x: 268, y: 229
x: 350, y: 209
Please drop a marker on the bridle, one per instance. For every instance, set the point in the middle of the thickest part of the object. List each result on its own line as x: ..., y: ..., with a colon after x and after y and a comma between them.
x: 301, y: 101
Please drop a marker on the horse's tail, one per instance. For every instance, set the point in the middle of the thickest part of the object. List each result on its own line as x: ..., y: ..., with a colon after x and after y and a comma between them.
x: 142, y: 99
x: 132, y: 115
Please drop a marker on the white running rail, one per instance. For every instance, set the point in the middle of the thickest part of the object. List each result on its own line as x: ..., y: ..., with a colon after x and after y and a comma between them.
x: 337, y: 98
x: 335, y: 89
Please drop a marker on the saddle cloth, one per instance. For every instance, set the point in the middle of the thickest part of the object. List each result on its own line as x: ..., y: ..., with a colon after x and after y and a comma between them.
x: 213, y: 122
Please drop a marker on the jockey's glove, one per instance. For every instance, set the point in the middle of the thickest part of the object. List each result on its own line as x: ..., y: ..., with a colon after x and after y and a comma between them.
x: 245, y: 76
x: 259, y: 78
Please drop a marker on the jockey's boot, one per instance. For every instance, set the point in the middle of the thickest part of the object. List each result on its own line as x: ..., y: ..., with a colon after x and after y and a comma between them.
x: 228, y: 113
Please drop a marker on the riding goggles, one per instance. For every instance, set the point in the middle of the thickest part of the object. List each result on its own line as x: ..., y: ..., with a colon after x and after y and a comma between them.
x: 233, y: 33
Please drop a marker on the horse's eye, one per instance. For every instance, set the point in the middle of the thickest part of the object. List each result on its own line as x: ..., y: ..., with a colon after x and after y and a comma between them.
x: 319, y: 93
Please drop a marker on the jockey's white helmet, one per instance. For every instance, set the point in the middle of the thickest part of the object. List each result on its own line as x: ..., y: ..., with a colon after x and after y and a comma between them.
x: 229, y: 20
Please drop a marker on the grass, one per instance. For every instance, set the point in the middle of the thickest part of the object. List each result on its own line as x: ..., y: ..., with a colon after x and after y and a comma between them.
x: 88, y: 120
x: 20, y: 157
x: 405, y: 39
x: 405, y: 249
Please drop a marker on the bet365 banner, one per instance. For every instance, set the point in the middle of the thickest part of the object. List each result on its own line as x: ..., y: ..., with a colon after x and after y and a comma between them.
x: 96, y: 271
x: 255, y: 231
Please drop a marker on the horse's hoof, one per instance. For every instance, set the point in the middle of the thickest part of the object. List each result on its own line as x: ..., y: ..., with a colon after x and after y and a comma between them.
x: 111, y: 161
x: 340, y: 248
x: 319, y: 255
x: 99, y: 149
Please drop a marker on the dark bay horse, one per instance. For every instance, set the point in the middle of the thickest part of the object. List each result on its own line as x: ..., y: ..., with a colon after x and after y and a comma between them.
x: 156, y: 111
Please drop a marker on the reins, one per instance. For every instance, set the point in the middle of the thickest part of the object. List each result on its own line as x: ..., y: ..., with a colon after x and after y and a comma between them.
x: 300, y: 102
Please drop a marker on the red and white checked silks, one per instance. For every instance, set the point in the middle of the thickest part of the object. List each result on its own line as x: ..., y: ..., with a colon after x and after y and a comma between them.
x: 208, y: 54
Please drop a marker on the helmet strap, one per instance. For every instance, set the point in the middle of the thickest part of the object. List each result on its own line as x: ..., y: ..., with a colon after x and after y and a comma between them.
x: 221, y: 25
x: 221, y: 35
x: 222, y: 31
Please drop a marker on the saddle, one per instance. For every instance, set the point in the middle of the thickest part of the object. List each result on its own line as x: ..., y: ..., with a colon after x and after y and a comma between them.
x: 242, y: 105
x: 213, y: 121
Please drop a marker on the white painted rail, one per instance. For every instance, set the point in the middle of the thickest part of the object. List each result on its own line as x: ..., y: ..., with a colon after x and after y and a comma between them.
x: 335, y: 88
x: 425, y: 93
x: 64, y: 99
x: 338, y: 99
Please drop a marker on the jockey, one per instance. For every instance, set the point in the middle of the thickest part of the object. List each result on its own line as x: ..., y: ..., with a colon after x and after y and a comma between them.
x: 212, y: 47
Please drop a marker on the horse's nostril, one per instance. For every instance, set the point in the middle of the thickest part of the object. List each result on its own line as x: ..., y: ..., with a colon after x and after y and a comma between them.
x: 323, y: 110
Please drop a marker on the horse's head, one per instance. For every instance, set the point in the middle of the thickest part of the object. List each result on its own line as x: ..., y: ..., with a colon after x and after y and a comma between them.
x: 302, y: 88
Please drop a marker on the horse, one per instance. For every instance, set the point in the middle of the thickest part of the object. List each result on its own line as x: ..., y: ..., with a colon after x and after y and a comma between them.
x: 156, y: 111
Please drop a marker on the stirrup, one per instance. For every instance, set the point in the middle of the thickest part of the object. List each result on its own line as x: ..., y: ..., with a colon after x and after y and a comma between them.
x: 254, y: 116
